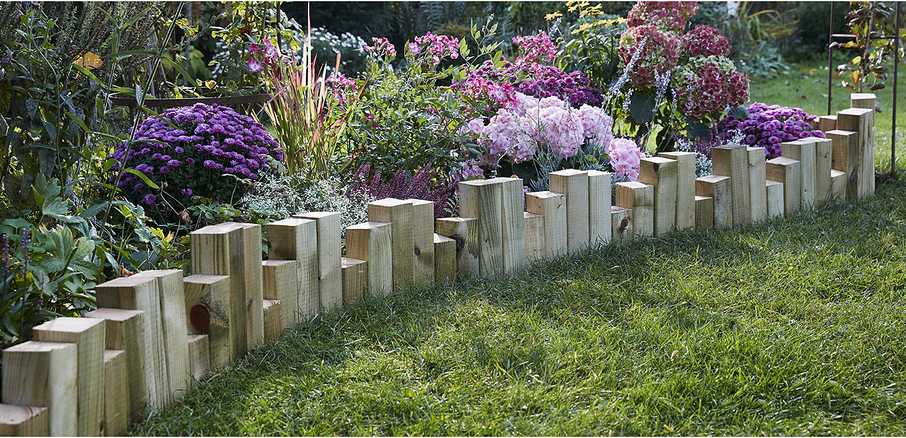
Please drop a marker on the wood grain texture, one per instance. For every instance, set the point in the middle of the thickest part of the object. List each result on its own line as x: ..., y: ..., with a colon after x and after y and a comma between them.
x: 704, y: 212
x: 804, y: 151
x: 208, y: 313
x: 823, y: 166
x: 757, y: 177
x: 297, y: 239
x: 774, y: 196
x: 718, y: 188
x: 372, y: 242
x: 483, y: 200
x: 272, y: 326
x: 685, y: 187
x: 44, y: 374
x: 638, y: 198
x: 280, y: 284
x: 599, y: 203
x: 553, y: 207
x: 355, y: 280
x: 116, y: 393
x: 827, y: 123
x: 621, y: 222
x: 661, y: 173
x: 398, y: 214
x: 838, y: 185
x: 199, y: 356
x: 861, y: 121
x: 88, y: 335
x: 573, y: 184
x: 124, y: 330
x: 847, y: 158
x: 330, y: 275
x: 465, y: 232
x: 863, y: 100
x: 254, y: 284
x: 423, y: 240
x: 786, y: 171
x: 444, y: 259
x: 733, y: 161
x: 534, y: 236
x: 24, y: 421
x: 513, y: 239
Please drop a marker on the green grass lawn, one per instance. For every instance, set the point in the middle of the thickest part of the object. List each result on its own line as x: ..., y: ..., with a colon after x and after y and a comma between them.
x: 794, y: 327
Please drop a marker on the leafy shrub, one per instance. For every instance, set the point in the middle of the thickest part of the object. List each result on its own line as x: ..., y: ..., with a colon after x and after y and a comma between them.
x: 769, y: 125
x: 199, y: 151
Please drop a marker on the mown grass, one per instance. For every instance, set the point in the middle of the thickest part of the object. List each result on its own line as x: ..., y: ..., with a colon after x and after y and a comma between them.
x: 794, y: 327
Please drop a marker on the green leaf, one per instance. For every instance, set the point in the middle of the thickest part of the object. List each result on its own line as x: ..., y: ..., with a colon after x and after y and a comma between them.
x: 144, y: 178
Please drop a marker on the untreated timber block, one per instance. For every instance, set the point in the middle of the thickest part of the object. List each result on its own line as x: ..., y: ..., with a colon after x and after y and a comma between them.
x: 444, y: 259
x: 838, y: 185
x: 847, y: 158
x: 254, y: 284
x: 685, y: 188
x: 24, y: 421
x: 44, y: 374
x: 272, y: 327
x: 553, y: 207
x: 599, y: 203
x: 208, y: 313
x: 804, y: 151
x: 661, y: 173
x: 827, y: 123
x: 330, y: 277
x: 863, y: 100
x: 861, y: 121
x: 573, y: 184
x: 823, y: 165
x: 513, y: 203
x: 757, y: 178
x: 398, y: 214
x: 621, y: 224
x: 774, y: 195
x: 534, y: 236
x: 88, y: 335
x: 704, y: 212
x: 116, y: 393
x: 199, y: 356
x: 125, y: 330
x: 465, y: 232
x: 638, y: 198
x: 280, y: 284
x: 483, y: 200
x: 423, y: 239
x: 372, y: 242
x: 355, y: 280
x: 297, y: 239
x: 786, y: 171
x: 718, y: 188
x: 733, y: 161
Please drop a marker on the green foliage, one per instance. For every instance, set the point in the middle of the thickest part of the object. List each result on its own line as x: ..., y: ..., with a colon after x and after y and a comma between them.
x: 588, y: 40
x: 869, y: 69
x: 754, y: 35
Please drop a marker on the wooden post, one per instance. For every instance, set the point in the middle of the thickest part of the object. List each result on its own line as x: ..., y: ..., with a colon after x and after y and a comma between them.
x: 599, y: 203
x: 297, y: 239
x: 534, y: 236
x: 804, y: 151
x: 867, y: 138
x: 774, y: 195
x: 861, y: 121
x: 272, y: 326
x: 863, y: 100
x: 254, y: 285
x: 208, y: 313
x: 838, y: 185
x: 661, y: 173
x: 124, y: 330
x: 44, y: 374
x: 847, y: 158
x: 116, y: 393
x: 423, y: 239
x: 704, y: 212
x: 219, y: 250
x: 638, y: 198
x: 465, y: 232
x: 199, y: 356
x: 823, y: 152
x: 355, y: 280
x: 88, y: 335
x: 173, y: 322
x: 685, y: 187
x: 718, y: 188
x: 372, y: 242
x: 733, y: 161
x: 483, y: 200
x: 553, y: 207
x: 330, y: 277
x: 513, y: 226
x: 786, y: 171
x: 444, y: 259
x: 399, y: 214
x: 827, y: 123
x: 757, y: 178
x: 280, y: 284
x: 24, y: 421
x: 573, y: 184
x: 621, y: 222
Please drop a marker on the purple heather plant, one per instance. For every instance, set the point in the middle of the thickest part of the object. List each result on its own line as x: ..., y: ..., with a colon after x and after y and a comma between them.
x: 769, y: 125
x: 424, y: 184
x: 188, y: 150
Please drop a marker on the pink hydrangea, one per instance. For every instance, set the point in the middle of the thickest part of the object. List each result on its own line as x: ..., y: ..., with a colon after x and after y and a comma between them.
x: 510, y: 134
x: 705, y: 40
x: 659, y: 55
x: 536, y: 48
x: 435, y: 47
x: 706, y: 86
x: 625, y: 158
x: 669, y: 15
x: 561, y: 130
x: 597, y: 125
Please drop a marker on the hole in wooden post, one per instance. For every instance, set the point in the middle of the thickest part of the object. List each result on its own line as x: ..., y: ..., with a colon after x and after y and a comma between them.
x: 200, y: 318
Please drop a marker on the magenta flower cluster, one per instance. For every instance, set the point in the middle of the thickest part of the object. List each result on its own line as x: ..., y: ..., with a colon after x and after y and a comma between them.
x: 538, y: 48
x: 706, y: 86
x: 423, y: 184
x: 660, y: 51
x: 381, y: 47
x: 705, y: 40
x: 667, y: 15
x: 550, y: 81
x: 186, y: 151
x: 434, y: 47
x: 769, y: 125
